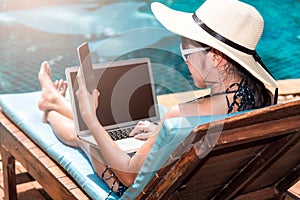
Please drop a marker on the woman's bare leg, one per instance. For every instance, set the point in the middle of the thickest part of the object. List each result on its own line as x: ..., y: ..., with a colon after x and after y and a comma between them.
x: 53, y: 103
x: 52, y: 98
x: 57, y: 109
x: 63, y: 127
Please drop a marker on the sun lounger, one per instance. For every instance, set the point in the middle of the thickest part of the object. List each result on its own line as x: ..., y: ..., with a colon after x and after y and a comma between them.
x: 249, y: 156
x: 256, y: 157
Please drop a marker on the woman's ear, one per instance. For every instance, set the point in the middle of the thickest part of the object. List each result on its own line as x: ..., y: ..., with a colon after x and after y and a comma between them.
x: 217, y: 56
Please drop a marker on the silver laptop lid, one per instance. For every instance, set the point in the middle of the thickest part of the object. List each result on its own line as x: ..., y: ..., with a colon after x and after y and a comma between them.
x: 127, y: 94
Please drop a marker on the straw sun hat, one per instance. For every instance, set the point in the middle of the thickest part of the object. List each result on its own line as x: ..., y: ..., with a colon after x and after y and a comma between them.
x: 231, y: 26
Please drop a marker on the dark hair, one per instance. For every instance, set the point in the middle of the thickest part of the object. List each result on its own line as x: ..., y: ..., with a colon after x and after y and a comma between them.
x: 263, y: 96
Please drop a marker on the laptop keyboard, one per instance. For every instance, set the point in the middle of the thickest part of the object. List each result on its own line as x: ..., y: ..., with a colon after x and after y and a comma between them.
x: 119, y: 134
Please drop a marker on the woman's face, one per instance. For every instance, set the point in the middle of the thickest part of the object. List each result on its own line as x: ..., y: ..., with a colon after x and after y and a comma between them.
x: 202, y: 67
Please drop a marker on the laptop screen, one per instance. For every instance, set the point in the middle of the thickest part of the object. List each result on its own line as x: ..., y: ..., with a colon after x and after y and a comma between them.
x: 127, y: 93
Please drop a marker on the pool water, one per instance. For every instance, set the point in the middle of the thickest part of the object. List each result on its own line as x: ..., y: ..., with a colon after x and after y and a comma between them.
x: 34, y: 31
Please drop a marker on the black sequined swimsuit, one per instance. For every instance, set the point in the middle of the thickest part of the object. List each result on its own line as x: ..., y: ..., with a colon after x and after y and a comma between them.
x: 243, y: 97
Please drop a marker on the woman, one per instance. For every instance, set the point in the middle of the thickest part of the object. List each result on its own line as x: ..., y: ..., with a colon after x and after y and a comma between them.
x: 218, y: 46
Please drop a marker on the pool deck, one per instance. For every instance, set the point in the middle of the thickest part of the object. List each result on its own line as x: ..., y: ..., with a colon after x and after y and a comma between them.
x: 289, y: 90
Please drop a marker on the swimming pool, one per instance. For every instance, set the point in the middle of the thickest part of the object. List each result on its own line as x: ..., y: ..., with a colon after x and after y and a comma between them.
x: 34, y: 31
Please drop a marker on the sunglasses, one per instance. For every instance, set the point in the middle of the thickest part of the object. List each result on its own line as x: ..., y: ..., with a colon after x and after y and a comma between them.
x: 186, y: 52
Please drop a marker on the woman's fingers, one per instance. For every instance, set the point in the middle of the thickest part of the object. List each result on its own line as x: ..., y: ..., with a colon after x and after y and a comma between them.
x: 82, y: 91
x: 142, y: 127
x: 143, y: 136
x: 96, y: 94
x: 79, y: 79
x: 135, y: 131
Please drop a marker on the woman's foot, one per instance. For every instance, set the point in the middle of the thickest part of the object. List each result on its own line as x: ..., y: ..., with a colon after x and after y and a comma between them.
x: 61, y: 86
x: 45, y: 79
x: 52, y: 93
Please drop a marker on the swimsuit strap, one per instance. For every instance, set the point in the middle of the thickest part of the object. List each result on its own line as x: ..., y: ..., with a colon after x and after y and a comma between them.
x: 243, y: 93
x: 121, y: 189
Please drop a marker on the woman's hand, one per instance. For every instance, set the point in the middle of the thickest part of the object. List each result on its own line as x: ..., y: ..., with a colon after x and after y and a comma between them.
x: 143, y: 130
x: 88, y: 102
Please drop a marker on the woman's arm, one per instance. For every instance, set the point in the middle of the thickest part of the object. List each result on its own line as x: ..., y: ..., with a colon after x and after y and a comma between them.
x: 124, y: 166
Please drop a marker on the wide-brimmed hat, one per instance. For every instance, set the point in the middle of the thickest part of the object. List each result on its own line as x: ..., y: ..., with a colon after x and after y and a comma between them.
x: 231, y: 26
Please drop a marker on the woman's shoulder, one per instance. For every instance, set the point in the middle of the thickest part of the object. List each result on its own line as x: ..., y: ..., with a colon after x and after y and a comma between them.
x: 195, y: 108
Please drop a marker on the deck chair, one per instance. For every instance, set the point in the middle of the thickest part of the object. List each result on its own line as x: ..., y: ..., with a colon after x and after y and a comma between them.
x: 256, y: 157
x: 248, y: 157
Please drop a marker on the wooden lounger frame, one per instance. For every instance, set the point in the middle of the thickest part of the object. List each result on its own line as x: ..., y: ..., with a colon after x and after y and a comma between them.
x: 257, y: 155
x: 15, y: 144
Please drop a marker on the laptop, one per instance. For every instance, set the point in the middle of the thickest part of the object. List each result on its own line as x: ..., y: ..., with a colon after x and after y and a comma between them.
x: 127, y: 95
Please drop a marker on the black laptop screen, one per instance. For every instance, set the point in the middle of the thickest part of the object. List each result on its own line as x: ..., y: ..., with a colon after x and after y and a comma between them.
x: 126, y: 94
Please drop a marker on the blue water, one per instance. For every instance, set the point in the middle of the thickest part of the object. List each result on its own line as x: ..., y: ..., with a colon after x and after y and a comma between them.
x: 34, y: 31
